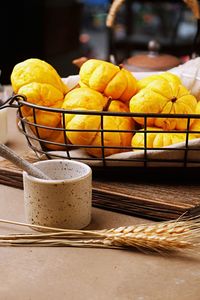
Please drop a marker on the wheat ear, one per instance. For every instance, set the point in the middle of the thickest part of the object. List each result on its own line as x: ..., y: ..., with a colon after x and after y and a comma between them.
x: 181, y: 234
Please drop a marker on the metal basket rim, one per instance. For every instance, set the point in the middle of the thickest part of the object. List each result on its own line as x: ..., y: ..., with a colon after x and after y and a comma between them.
x: 107, y: 113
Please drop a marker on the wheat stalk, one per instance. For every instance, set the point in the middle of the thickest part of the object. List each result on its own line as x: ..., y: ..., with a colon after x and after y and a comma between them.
x: 180, y: 235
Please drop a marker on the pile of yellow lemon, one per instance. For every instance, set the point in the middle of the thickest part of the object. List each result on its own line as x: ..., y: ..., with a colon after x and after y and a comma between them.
x: 105, y: 87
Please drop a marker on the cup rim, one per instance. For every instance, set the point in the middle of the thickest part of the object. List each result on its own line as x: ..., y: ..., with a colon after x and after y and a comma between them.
x: 59, y: 181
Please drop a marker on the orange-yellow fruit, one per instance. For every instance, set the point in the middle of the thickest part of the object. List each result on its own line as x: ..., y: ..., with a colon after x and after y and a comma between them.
x: 195, y: 125
x: 57, y: 136
x: 142, y: 83
x: 162, y: 96
x: 43, y: 95
x: 89, y: 99
x: 108, y: 79
x: 35, y: 70
x: 157, y: 139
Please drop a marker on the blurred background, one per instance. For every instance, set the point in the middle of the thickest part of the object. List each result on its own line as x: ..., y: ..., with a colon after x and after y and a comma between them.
x: 60, y: 31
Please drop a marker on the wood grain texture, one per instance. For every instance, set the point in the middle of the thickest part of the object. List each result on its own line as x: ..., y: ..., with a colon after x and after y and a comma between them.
x: 153, y: 194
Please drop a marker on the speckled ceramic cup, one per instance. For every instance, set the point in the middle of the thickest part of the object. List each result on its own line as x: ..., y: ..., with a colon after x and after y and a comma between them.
x: 64, y: 201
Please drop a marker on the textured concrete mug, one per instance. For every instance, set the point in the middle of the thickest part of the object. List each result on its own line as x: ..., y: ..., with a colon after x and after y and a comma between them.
x: 63, y: 202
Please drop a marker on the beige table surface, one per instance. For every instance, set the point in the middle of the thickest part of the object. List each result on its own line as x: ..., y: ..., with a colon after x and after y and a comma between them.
x: 74, y: 273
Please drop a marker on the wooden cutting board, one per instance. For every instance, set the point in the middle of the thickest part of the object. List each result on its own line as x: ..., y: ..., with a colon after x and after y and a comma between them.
x: 156, y: 197
x: 156, y: 194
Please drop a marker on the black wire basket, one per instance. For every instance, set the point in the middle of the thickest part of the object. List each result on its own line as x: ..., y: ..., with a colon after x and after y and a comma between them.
x: 184, y: 154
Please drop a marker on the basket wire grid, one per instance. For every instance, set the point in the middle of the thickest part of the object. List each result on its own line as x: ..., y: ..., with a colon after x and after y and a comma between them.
x: 37, y: 144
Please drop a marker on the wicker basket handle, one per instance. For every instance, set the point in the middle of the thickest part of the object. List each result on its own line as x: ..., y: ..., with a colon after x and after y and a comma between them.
x: 113, y: 11
x: 192, y: 4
